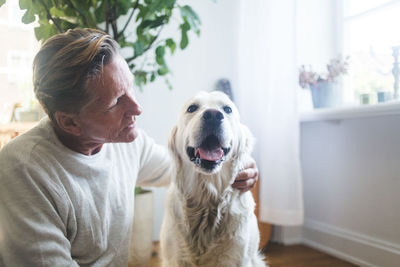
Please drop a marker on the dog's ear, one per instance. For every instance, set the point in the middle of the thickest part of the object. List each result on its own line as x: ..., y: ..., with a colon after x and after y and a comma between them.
x: 172, y: 147
x: 245, y: 142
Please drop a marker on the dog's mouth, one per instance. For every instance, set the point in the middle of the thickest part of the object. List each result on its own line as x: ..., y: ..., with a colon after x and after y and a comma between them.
x: 209, y: 154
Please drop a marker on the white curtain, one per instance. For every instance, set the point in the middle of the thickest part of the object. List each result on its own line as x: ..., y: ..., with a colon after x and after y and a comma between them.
x: 267, y: 98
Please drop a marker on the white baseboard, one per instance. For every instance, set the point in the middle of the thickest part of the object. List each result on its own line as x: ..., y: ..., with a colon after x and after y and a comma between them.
x: 353, y: 247
x: 287, y: 235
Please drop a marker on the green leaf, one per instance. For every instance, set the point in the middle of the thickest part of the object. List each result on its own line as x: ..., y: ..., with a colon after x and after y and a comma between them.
x: 123, y: 7
x: 185, y: 27
x: 168, y: 84
x: 171, y: 44
x: 184, y: 40
x: 163, y: 70
x: 69, y: 12
x: 25, y: 4
x: 28, y: 17
x: 54, y: 11
x: 123, y: 42
x: 2, y: 2
x: 138, y: 189
x: 153, y: 77
x: 156, y: 6
x: 160, y: 60
x: 153, y: 23
x: 160, y: 51
x: 140, y: 78
x: 138, y: 48
x: 169, y: 4
x: 82, y: 5
x: 191, y: 17
x: 45, y: 31
x: 100, y: 12
x: 65, y: 25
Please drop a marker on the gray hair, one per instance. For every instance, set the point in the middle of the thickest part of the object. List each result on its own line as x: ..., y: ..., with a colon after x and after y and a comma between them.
x: 65, y: 64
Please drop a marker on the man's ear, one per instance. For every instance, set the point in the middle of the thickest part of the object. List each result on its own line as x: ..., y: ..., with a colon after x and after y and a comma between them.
x: 67, y: 123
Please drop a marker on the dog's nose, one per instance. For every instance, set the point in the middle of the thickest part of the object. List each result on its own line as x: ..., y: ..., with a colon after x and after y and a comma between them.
x: 213, y: 116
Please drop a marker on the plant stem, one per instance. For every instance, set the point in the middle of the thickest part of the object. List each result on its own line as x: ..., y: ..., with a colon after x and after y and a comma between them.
x: 148, y: 47
x: 129, y: 19
x: 106, y: 16
x: 114, y: 20
x: 85, y: 20
x: 49, y: 16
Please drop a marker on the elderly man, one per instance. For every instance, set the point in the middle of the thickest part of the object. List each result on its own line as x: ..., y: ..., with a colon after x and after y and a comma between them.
x: 67, y: 185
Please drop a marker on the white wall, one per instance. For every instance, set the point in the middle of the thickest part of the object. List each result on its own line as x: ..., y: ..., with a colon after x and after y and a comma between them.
x: 208, y: 58
x: 351, y: 176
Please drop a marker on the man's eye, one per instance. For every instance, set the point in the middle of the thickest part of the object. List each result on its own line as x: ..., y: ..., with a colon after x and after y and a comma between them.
x: 192, y: 108
x: 115, y: 103
x: 227, y: 109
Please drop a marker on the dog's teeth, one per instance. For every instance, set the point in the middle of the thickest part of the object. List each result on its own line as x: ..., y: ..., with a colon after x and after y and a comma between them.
x: 198, y: 161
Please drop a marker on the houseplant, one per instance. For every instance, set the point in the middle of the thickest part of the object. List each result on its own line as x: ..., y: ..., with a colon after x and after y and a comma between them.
x: 322, y: 84
x: 135, y: 24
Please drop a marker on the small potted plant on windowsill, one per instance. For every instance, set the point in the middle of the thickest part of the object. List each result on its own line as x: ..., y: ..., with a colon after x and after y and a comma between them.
x: 322, y: 84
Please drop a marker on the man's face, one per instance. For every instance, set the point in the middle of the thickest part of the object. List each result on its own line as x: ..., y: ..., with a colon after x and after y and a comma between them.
x: 110, y: 115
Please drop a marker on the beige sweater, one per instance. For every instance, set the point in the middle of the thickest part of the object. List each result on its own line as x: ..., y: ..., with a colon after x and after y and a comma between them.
x: 62, y: 208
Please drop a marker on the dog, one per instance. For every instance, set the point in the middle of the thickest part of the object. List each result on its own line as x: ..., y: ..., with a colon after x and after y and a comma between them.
x: 207, y: 222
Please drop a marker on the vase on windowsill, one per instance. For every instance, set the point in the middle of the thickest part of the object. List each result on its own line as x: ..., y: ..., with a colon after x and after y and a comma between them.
x: 324, y: 95
x: 324, y: 92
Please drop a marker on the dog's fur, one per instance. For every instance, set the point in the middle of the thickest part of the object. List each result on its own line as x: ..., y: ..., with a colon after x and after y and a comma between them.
x: 207, y: 222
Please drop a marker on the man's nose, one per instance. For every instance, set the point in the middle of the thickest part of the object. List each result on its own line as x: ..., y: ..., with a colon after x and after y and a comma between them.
x: 134, y: 108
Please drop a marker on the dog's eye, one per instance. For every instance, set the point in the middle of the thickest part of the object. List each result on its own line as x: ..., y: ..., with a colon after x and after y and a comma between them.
x: 192, y: 108
x: 227, y: 109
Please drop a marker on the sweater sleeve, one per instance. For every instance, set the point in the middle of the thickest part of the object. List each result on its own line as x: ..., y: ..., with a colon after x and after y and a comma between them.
x: 155, y: 164
x: 32, y: 213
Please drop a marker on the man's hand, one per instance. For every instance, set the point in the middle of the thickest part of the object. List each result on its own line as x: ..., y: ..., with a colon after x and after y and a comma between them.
x: 247, y: 178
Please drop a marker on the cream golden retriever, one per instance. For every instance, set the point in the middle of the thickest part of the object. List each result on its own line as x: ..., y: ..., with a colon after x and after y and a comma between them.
x: 207, y: 222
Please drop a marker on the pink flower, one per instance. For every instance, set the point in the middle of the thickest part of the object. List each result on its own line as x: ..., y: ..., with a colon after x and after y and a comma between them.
x: 336, y: 67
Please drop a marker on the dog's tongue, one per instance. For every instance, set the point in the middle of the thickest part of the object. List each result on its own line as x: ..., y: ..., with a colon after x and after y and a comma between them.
x: 211, y: 155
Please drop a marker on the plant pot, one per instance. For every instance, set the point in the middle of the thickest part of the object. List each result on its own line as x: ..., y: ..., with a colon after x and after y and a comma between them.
x: 324, y: 95
x: 365, y: 99
x: 141, y: 246
x: 383, y: 96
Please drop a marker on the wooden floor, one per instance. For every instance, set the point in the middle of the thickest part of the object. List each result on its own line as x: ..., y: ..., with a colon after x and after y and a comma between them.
x: 300, y: 256
x: 287, y: 256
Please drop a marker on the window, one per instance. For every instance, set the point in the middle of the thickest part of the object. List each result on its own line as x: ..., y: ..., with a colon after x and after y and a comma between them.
x: 16, y: 55
x: 19, y: 66
x: 371, y: 38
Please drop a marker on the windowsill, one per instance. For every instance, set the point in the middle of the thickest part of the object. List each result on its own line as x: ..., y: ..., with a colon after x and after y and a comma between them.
x: 354, y: 112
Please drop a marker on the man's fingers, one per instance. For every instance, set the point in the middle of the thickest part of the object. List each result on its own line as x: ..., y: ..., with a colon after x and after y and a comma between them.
x: 246, y: 184
x: 246, y: 174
